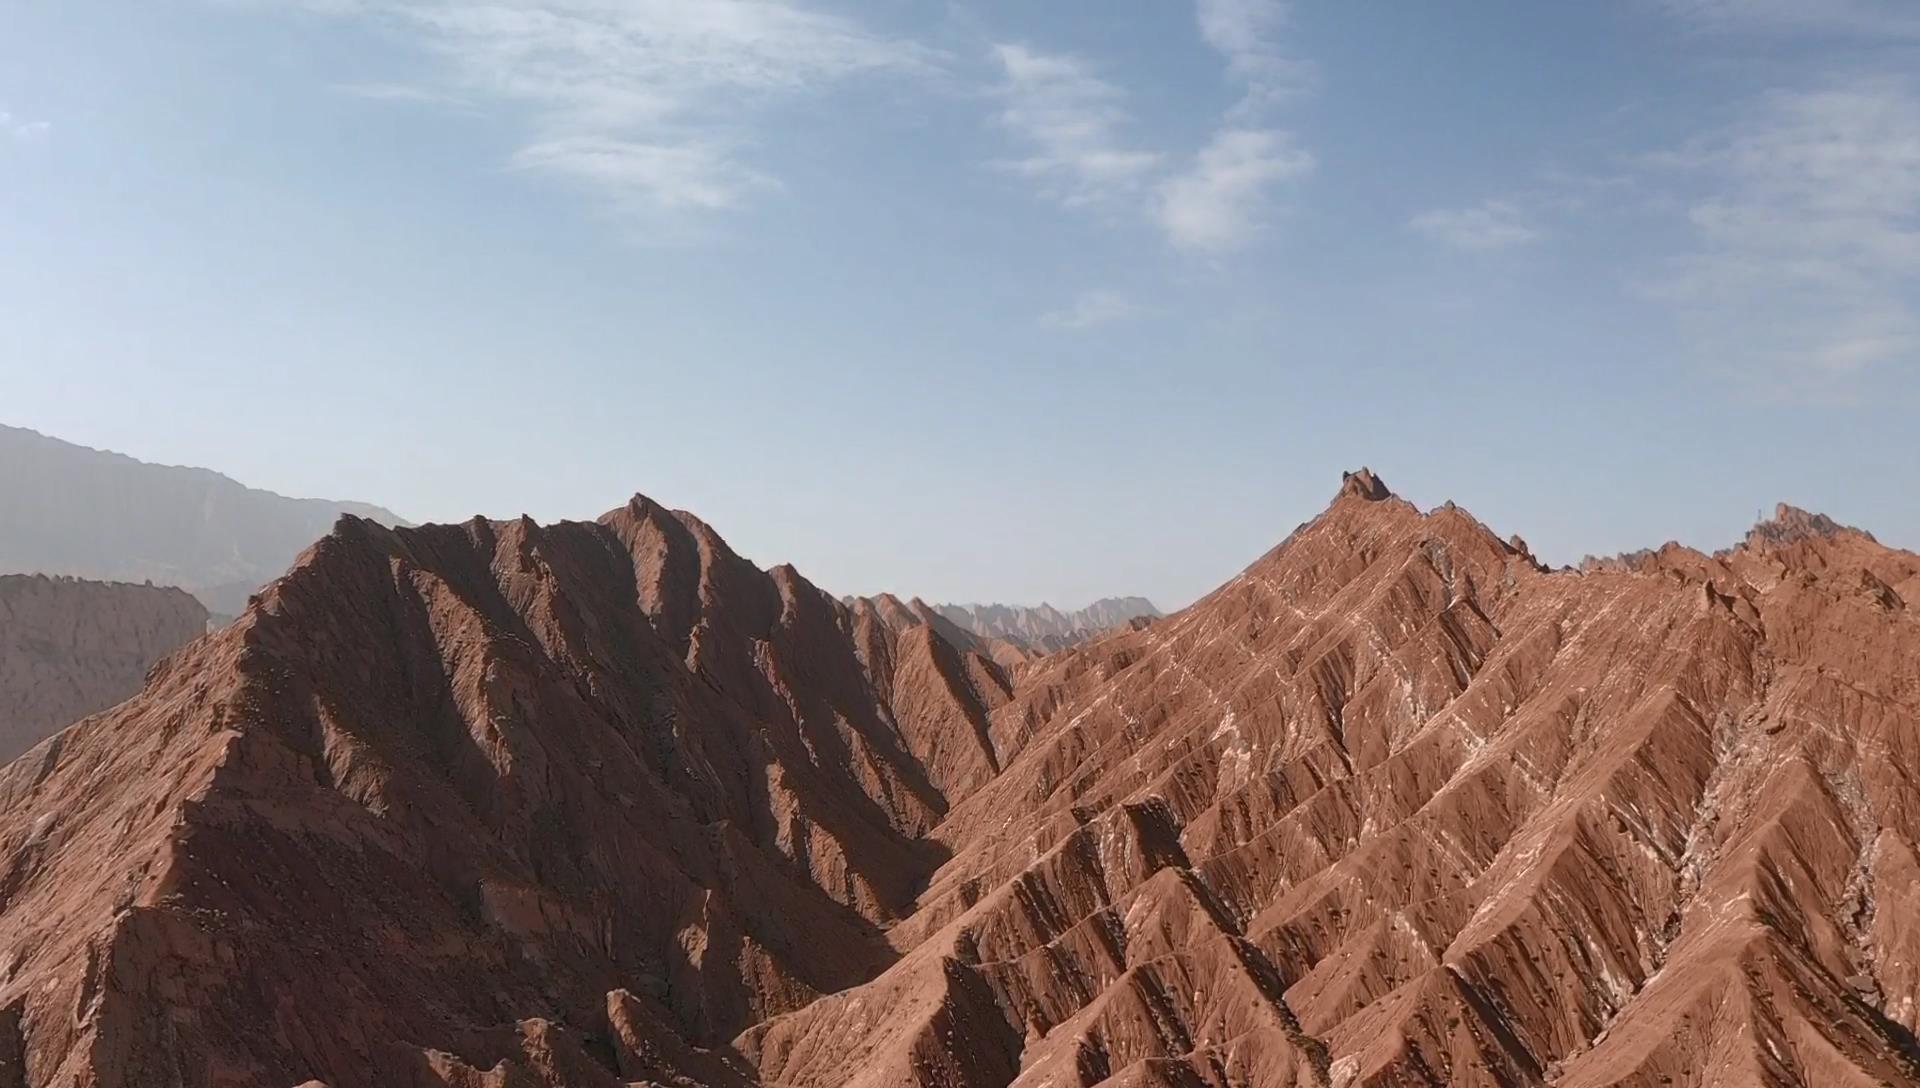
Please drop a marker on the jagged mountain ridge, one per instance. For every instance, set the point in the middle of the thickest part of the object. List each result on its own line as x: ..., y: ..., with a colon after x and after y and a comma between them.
x: 66, y: 509
x: 70, y: 647
x: 1416, y: 811
x: 489, y: 771
x: 1788, y: 525
x: 1394, y: 806
x: 1044, y: 628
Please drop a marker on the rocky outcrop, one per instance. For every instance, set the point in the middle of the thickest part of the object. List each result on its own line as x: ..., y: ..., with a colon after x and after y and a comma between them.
x: 67, y: 509
x: 1790, y: 525
x: 1633, y: 562
x: 69, y: 648
x: 600, y: 804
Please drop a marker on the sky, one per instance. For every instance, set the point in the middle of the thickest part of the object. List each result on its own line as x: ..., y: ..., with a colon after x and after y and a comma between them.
x: 981, y: 299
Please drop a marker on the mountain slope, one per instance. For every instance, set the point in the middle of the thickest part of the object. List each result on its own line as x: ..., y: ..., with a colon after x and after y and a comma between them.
x: 69, y: 648
x: 453, y: 795
x: 592, y: 804
x: 67, y: 509
x: 1396, y: 806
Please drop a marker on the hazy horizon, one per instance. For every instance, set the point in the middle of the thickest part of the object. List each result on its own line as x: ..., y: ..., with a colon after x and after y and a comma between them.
x: 981, y: 301
x: 1072, y: 605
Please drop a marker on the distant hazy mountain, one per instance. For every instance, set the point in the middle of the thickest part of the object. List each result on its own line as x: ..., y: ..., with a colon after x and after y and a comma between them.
x: 70, y: 648
x: 67, y: 509
x: 1046, y: 627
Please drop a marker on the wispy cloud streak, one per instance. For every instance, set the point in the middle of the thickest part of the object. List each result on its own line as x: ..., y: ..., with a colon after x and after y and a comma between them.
x: 1221, y: 201
x: 1072, y: 119
x: 22, y: 130
x: 1247, y: 33
x: 1491, y: 224
x: 1806, y: 263
x: 649, y: 103
x: 1092, y: 309
x: 1225, y: 198
x: 1823, y: 18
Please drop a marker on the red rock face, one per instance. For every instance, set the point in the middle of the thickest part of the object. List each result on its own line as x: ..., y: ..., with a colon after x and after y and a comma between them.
x: 497, y: 804
x: 69, y: 648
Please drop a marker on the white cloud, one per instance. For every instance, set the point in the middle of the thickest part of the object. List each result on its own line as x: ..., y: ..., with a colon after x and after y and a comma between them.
x: 1091, y: 309
x: 23, y: 130
x: 1806, y: 263
x: 1072, y: 117
x: 1247, y: 33
x: 401, y: 92
x: 1492, y: 224
x: 1221, y: 202
x: 1869, y: 18
x: 669, y: 176
x: 651, y: 103
x: 1223, y: 198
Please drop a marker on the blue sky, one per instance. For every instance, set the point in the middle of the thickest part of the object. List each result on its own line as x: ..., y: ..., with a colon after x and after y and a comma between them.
x: 981, y: 300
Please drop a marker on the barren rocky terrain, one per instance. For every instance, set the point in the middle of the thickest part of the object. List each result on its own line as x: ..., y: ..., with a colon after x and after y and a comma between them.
x: 590, y: 804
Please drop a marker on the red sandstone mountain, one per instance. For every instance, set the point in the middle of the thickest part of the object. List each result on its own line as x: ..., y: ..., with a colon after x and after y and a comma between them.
x: 497, y: 804
x: 69, y: 648
x: 899, y: 615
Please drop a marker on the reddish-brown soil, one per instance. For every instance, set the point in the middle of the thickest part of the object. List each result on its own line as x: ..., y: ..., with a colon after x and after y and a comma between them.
x: 597, y: 804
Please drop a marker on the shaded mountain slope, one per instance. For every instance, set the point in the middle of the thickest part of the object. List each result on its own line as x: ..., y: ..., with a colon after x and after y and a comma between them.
x: 453, y: 795
x: 912, y: 614
x: 1396, y: 806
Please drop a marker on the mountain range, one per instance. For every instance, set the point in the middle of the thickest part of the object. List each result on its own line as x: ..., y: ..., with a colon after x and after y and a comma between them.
x: 66, y: 509
x: 597, y: 804
x: 1046, y: 628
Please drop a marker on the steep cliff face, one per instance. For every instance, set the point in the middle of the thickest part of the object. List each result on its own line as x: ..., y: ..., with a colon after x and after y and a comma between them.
x: 69, y: 648
x: 498, y: 804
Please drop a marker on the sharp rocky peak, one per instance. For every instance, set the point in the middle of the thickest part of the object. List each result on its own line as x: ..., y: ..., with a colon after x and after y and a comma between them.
x: 1363, y: 484
x: 1792, y: 525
